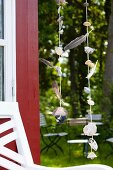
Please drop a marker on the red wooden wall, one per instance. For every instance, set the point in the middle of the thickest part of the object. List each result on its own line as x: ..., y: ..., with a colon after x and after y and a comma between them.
x: 27, y: 71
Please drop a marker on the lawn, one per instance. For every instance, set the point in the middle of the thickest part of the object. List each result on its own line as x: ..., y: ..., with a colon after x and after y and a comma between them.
x: 76, y: 156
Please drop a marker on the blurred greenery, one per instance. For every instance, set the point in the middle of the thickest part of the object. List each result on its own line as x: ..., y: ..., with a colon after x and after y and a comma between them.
x: 73, y: 67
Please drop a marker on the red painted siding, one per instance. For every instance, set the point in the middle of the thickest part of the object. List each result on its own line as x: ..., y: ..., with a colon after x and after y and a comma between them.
x: 27, y: 71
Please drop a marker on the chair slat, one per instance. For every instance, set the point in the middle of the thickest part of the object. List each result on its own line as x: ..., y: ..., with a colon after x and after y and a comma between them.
x: 8, y: 138
x: 13, y: 166
x: 94, y: 116
x: 6, y: 126
x: 12, y: 155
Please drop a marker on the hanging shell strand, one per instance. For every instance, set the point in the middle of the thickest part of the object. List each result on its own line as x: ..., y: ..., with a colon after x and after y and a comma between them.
x: 91, y: 129
x: 60, y: 113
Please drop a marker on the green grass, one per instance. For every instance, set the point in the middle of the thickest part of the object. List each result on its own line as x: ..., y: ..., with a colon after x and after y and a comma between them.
x: 76, y: 156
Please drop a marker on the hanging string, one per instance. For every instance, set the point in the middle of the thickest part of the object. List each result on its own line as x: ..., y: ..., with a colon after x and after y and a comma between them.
x: 60, y: 112
x: 90, y: 129
x: 60, y: 55
x: 87, y: 42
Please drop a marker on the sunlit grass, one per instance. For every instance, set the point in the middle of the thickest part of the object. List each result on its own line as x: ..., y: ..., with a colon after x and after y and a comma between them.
x: 76, y: 155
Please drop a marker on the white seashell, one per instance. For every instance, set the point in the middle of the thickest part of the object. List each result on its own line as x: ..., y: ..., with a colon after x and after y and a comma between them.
x: 92, y: 71
x: 61, y: 31
x: 60, y: 114
x: 86, y: 4
x: 58, y: 69
x: 87, y: 90
x: 90, y: 102
x: 60, y: 25
x: 58, y: 50
x: 60, y: 19
x: 93, y: 144
x: 90, y: 129
x: 89, y: 63
x: 87, y: 24
x: 91, y: 155
x: 61, y: 2
x: 59, y: 9
x: 60, y: 111
x: 89, y: 50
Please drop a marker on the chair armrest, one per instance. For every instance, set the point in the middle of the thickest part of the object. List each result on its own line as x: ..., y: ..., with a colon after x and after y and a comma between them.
x: 81, y: 167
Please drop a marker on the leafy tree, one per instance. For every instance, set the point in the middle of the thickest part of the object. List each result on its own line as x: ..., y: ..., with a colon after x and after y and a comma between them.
x: 74, y: 69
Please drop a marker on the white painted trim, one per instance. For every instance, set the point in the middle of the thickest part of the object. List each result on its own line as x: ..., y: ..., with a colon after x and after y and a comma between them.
x: 14, y: 49
x: 2, y: 42
x: 9, y: 44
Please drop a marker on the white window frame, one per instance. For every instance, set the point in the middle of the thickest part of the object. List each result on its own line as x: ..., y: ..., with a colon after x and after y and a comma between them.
x: 9, y: 44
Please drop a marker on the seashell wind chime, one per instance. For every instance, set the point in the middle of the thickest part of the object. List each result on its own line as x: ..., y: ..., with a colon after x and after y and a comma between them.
x: 90, y: 129
x: 60, y: 113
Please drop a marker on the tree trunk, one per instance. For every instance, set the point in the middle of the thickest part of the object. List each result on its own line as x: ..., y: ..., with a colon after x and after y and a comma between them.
x: 73, y: 79
x: 108, y: 75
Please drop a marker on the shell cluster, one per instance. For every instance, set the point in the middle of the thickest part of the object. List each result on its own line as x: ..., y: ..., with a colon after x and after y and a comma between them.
x: 60, y: 113
x: 90, y: 129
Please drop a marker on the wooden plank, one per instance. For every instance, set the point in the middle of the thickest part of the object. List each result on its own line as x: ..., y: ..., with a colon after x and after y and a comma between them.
x: 6, y: 163
x: 27, y: 71
x: 6, y: 126
x: 12, y: 155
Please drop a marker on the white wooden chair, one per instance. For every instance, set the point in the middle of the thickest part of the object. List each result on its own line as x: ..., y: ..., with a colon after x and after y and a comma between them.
x: 23, y: 159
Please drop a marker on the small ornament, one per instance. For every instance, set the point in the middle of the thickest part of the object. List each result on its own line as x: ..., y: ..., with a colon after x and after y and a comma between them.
x: 60, y: 24
x: 91, y: 155
x: 89, y: 63
x: 61, y: 2
x: 89, y: 50
x: 93, y: 144
x: 87, y: 90
x: 59, y: 9
x: 92, y: 71
x: 58, y: 50
x: 86, y: 4
x: 90, y: 102
x: 87, y: 24
x: 90, y: 129
x: 56, y: 90
x: 58, y: 69
x: 60, y: 114
x: 60, y: 19
x: 61, y: 31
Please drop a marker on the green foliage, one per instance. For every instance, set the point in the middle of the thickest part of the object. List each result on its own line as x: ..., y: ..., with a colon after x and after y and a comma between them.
x: 73, y: 67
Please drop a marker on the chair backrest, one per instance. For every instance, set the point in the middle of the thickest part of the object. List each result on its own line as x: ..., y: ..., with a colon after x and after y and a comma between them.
x: 42, y: 120
x: 77, y: 121
x: 22, y: 160
x: 12, y: 130
x: 80, y: 167
x: 95, y: 117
